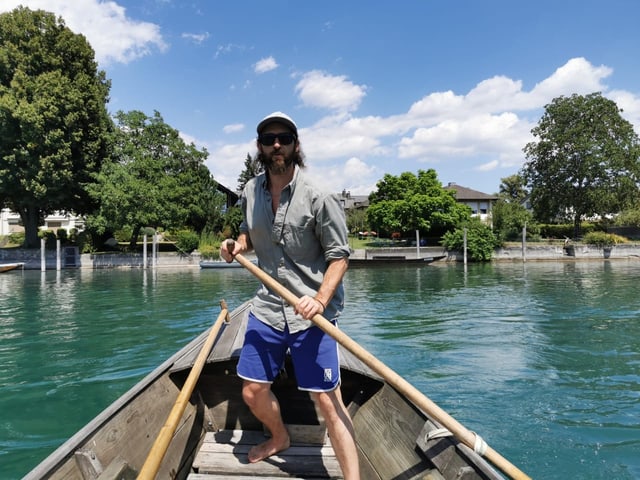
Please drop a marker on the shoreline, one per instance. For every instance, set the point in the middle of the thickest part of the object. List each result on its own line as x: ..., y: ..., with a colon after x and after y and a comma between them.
x: 71, y: 259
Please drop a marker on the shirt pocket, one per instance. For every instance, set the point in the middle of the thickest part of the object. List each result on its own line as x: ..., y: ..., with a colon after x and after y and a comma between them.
x: 299, y: 240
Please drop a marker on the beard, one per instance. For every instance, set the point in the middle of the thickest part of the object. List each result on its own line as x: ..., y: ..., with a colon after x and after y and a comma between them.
x: 277, y: 167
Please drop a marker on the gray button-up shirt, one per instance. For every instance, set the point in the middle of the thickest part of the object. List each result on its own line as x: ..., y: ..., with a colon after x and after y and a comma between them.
x: 295, y: 245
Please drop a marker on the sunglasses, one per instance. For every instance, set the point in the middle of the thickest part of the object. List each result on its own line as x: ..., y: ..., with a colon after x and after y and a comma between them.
x: 268, y: 139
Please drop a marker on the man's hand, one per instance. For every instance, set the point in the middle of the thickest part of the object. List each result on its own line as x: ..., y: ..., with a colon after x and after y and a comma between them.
x: 224, y: 250
x: 308, y: 306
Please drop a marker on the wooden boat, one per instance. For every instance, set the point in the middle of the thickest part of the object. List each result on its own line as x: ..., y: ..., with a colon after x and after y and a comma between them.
x: 376, y: 260
x: 395, y: 438
x: 7, y: 267
x: 220, y: 264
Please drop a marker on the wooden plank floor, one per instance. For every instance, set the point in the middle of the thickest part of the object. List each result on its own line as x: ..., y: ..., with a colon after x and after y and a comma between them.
x: 224, y: 455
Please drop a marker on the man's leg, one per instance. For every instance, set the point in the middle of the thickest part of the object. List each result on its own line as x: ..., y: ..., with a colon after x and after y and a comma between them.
x: 341, y: 431
x: 264, y: 405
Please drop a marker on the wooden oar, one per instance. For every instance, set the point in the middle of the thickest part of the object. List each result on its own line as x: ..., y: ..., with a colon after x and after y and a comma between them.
x: 159, y: 449
x: 392, y: 378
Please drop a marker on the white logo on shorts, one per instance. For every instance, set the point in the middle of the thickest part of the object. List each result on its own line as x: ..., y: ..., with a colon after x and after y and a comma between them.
x: 327, y: 374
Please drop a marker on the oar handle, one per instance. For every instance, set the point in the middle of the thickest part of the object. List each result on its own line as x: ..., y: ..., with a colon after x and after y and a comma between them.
x: 392, y: 378
x: 159, y: 449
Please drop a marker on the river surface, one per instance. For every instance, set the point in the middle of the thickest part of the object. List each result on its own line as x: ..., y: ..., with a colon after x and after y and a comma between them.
x: 541, y: 359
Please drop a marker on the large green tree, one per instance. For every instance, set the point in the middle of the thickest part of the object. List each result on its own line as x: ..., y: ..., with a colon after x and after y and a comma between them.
x: 53, y: 117
x: 584, y: 162
x: 412, y: 202
x: 155, y: 180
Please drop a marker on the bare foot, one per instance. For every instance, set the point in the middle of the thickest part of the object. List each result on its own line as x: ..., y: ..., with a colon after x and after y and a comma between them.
x: 266, y: 449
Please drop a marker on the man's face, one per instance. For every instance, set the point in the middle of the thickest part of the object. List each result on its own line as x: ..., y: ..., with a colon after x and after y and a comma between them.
x: 278, y: 148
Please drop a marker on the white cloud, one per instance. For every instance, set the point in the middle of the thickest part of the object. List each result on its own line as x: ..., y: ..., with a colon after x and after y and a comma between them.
x: 630, y: 105
x: 233, y: 128
x: 227, y: 49
x: 483, y: 130
x: 196, y: 37
x: 489, y: 166
x: 357, y: 173
x: 319, y: 89
x: 265, y: 65
x: 226, y: 162
x: 575, y: 76
x: 114, y: 37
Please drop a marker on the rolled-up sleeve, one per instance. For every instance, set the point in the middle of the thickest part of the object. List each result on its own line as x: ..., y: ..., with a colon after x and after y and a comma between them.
x: 332, y: 229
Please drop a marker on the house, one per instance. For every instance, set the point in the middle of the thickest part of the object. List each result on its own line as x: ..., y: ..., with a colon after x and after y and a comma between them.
x: 350, y: 202
x: 10, y: 222
x: 480, y: 203
x: 231, y: 196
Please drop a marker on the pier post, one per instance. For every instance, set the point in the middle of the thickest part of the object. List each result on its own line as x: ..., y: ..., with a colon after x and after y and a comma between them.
x: 464, y: 248
x: 58, y: 263
x: 144, y: 251
x: 43, y: 256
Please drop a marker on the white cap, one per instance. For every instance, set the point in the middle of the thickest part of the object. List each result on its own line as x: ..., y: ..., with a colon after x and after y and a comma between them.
x: 278, y: 117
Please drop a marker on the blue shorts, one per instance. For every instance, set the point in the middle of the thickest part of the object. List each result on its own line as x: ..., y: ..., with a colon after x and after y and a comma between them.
x: 313, y: 352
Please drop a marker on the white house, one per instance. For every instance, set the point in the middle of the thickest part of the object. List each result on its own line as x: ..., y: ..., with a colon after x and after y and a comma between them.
x: 10, y: 222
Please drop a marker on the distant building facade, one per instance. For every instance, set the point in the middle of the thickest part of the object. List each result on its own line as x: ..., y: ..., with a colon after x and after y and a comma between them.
x: 10, y: 222
x: 480, y: 203
x: 350, y: 202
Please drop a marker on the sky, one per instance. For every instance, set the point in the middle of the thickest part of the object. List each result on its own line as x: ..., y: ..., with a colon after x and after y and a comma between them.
x: 375, y: 87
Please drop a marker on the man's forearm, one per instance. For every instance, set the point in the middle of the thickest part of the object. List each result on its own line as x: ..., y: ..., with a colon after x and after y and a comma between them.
x: 332, y: 278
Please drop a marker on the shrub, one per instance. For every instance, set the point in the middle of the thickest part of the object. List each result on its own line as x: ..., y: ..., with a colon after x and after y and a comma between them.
x: 209, y: 246
x: 603, y: 239
x: 564, y: 230
x: 209, y: 252
x: 186, y: 240
x: 61, y: 233
x: 16, y: 238
x: 481, y: 241
x: 49, y: 238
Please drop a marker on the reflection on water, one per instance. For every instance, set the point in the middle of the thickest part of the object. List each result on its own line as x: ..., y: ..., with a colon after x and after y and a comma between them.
x: 542, y: 359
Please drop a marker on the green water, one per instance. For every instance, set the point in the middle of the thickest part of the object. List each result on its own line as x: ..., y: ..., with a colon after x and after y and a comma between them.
x: 541, y: 359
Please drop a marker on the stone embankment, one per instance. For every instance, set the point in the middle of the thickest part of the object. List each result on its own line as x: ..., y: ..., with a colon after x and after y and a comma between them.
x: 70, y: 258
x: 533, y: 252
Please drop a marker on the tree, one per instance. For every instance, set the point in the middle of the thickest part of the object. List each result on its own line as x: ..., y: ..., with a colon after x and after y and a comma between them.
x: 414, y: 202
x: 252, y: 168
x: 155, y: 180
x: 356, y: 220
x: 53, y: 117
x: 509, y: 215
x: 513, y: 189
x: 585, y: 161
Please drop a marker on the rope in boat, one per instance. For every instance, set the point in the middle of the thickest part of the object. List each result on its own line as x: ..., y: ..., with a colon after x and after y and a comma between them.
x: 480, y: 446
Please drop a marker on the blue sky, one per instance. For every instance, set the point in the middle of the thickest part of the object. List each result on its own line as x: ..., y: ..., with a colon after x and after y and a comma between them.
x: 375, y: 87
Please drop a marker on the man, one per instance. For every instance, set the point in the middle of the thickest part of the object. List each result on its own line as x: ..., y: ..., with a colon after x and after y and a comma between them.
x: 299, y: 234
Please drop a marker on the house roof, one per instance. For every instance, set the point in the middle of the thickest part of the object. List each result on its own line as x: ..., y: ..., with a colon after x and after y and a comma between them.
x: 468, y: 194
x: 353, y: 201
x: 232, y: 197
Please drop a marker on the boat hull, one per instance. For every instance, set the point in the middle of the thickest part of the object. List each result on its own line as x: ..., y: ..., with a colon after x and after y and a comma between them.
x: 216, y: 264
x: 391, y: 432
x: 7, y: 267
